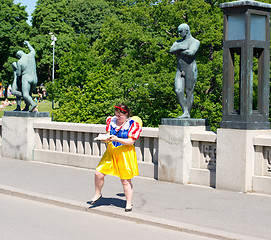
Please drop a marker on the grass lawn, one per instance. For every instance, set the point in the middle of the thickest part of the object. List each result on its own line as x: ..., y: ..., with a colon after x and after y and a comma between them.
x: 43, y: 106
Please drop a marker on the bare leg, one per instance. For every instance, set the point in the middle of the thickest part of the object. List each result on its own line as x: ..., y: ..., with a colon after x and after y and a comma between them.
x: 190, y: 99
x: 128, y: 191
x: 190, y: 86
x: 99, y: 182
x: 179, y: 90
x: 32, y: 87
x: 16, y: 92
x: 26, y: 89
x: 18, y: 100
x: 183, y: 102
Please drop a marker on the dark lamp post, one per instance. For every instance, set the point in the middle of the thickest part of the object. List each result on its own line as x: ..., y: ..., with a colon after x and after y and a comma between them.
x: 246, y: 44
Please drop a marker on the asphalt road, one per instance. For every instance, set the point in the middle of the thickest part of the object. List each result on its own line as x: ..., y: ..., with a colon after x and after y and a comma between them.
x: 22, y: 219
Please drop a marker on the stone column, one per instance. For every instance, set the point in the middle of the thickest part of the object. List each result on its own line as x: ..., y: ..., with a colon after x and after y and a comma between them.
x: 175, y: 148
x: 247, y: 38
x: 236, y: 158
x: 18, y: 135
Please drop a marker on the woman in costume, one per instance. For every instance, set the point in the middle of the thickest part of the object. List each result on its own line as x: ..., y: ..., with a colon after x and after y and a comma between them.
x: 119, y: 158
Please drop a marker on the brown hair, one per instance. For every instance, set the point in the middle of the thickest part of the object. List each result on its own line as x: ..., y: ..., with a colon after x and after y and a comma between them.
x: 122, y: 108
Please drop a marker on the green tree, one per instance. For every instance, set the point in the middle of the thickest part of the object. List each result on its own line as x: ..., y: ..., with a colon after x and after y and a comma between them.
x: 87, y: 16
x: 50, y: 17
x: 13, y: 31
x: 91, y: 103
x: 73, y: 69
x: 135, y: 45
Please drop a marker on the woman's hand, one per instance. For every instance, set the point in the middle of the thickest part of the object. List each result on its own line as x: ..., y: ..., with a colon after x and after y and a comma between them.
x: 113, y: 138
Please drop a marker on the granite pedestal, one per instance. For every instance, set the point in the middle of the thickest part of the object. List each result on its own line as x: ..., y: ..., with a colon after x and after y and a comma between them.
x: 18, y: 134
x: 236, y: 158
x: 175, y: 148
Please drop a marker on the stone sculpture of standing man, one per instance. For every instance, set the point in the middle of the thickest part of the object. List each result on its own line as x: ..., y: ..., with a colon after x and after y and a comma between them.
x: 185, y: 50
x: 16, y: 87
x: 26, y: 70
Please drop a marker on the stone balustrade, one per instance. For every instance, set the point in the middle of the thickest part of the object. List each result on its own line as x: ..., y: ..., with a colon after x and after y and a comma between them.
x: 73, y: 144
x: 203, y: 170
x: 262, y: 166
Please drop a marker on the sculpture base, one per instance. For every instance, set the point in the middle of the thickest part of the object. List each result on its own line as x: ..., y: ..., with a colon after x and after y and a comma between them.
x: 18, y: 133
x: 186, y: 122
x: 25, y: 114
x: 175, y: 149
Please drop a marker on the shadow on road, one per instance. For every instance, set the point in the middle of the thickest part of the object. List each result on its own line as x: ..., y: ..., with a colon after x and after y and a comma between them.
x: 104, y: 201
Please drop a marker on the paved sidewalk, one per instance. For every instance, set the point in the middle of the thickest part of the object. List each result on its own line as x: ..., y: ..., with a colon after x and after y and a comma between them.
x: 200, y: 210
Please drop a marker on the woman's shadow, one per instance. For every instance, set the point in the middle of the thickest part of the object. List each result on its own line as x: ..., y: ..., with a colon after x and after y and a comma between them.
x: 120, y: 203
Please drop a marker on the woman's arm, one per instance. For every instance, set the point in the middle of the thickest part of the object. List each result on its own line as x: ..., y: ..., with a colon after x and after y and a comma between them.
x: 124, y: 141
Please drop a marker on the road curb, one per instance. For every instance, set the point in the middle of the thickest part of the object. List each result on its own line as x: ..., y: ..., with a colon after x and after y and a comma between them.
x: 133, y: 217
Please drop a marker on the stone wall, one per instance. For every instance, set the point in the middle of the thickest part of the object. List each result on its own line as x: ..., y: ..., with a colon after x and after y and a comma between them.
x: 233, y: 159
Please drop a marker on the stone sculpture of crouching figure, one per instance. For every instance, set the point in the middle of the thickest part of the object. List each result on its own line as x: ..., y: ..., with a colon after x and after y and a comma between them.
x: 25, y: 78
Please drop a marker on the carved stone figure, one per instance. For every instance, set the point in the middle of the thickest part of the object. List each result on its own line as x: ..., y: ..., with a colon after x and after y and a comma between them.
x: 16, y: 87
x: 185, y: 50
x: 25, y: 73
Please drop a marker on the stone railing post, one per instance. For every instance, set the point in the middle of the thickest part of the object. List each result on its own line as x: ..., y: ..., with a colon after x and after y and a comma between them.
x: 175, y: 148
x: 19, y: 134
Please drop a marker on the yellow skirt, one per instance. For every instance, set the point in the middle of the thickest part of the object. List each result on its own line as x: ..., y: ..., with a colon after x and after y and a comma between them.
x: 119, y: 161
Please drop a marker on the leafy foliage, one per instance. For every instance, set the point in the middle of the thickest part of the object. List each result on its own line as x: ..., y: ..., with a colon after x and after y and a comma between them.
x: 134, y: 45
x: 87, y: 16
x: 92, y: 103
x: 14, y: 30
x: 49, y: 17
x: 111, y: 51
